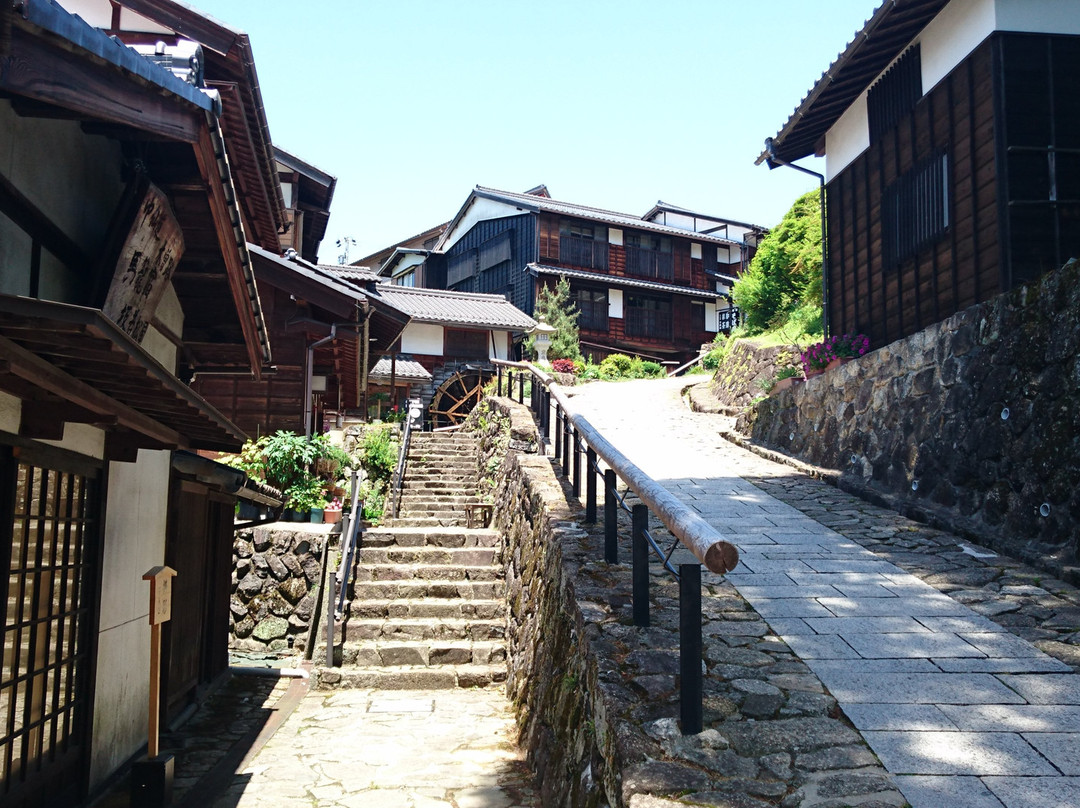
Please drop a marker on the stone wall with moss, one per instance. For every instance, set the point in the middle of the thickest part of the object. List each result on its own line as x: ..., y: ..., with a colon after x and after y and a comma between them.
x: 276, y: 572
x: 738, y: 381
x: 972, y: 423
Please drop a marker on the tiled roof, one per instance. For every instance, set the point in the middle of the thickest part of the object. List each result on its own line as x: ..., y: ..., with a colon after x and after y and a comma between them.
x: 620, y: 280
x: 455, y: 308
x: 539, y: 203
x: 662, y: 206
x: 406, y: 370
x: 351, y: 273
x: 891, y: 28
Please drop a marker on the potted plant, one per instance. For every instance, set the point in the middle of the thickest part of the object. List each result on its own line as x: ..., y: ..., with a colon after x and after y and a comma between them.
x: 847, y: 347
x: 786, y: 377
x: 332, y: 513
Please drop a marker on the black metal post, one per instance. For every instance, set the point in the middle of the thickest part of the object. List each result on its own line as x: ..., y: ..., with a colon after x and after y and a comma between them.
x: 590, y: 487
x: 611, y: 518
x: 640, y: 522
x: 499, y: 373
x: 575, y: 480
x: 545, y: 416
x: 568, y: 434
x: 690, y: 691
x: 521, y: 387
x: 558, y: 433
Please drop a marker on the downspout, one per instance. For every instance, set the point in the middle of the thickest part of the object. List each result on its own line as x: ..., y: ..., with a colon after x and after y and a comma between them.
x: 773, y: 161
x: 309, y: 370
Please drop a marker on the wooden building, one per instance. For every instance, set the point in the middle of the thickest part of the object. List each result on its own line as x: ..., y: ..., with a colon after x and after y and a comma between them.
x: 124, y: 269
x: 643, y: 287
x: 951, y: 132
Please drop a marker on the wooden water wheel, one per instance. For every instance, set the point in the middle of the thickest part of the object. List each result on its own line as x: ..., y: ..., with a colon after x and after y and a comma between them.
x: 456, y: 397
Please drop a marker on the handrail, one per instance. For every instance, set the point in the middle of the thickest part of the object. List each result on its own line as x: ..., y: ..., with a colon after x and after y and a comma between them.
x: 697, y: 535
x: 398, y: 479
x: 688, y: 365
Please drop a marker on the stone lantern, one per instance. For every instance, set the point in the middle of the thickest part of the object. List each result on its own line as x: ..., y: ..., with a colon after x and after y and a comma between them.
x: 542, y: 340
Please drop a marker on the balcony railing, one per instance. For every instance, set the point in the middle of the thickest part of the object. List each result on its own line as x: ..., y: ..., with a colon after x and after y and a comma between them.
x: 648, y: 323
x: 583, y: 252
x: 650, y: 263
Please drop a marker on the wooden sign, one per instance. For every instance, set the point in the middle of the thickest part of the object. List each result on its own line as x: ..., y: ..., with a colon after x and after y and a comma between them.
x: 160, y: 579
x: 145, y: 267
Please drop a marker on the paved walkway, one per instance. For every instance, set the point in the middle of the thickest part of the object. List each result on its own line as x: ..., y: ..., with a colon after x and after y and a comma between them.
x: 962, y: 712
x: 389, y: 749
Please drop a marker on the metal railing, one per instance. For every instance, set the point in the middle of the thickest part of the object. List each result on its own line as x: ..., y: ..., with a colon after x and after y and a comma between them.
x: 398, y: 479
x: 574, y: 438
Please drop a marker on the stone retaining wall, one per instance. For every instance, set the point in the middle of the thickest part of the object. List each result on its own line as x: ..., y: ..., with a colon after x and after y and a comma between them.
x: 973, y: 423
x: 737, y: 382
x: 276, y: 572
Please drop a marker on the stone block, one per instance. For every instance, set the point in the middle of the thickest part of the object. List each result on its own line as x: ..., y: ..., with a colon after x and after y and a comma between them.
x: 957, y: 753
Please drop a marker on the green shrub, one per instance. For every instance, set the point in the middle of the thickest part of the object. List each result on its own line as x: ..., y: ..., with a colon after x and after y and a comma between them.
x: 652, y: 370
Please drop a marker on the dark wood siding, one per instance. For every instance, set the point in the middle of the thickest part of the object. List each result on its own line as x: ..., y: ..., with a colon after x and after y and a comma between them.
x: 507, y: 278
x: 957, y: 269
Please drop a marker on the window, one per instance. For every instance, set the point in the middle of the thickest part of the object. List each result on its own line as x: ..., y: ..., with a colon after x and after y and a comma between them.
x: 649, y: 255
x: 895, y: 93
x: 463, y: 344
x: 460, y: 267
x: 648, y: 317
x: 407, y: 278
x: 583, y: 245
x: 50, y: 529
x: 915, y: 209
x: 495, y: 251
x: 593, y: 307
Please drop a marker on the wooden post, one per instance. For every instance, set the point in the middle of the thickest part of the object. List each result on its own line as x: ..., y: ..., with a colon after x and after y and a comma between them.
x: 160, y: 579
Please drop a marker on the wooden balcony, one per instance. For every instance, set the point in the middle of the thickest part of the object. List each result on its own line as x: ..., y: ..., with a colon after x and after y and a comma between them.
x: 652, y: 264
x: 583, y: 252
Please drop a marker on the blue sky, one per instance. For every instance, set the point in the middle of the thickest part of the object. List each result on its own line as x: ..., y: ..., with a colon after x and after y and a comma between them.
x: 610, y: 103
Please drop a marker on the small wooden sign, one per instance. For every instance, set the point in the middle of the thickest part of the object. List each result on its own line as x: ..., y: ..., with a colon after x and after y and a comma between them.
x: 160, y: 579
x: 145, y: 267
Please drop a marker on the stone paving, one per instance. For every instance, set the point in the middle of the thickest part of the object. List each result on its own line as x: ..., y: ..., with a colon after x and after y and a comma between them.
x: 958, y: 707
x: 391, y: 749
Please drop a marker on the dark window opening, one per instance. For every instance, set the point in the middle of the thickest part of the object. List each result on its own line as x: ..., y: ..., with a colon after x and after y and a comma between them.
x: 895, y: 94
x: 460, y: 267
x: 649, y: 256
x: 592, y: 306
x: 463, y: 344
x: 915, y: 209
x: 648, y: 317
x: 583, y: 245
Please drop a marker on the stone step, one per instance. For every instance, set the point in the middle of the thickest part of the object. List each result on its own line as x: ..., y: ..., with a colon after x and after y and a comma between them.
x: 392, y: 536
x: 439, y: 514
x: 416, y: 588
x: 423, y: 521
x: 441, y: 484
x: 444, y: 677
x: 423, y: 628
x: 430, y: 498
x: 441, y: 608
x: 435, y: 572
x: 425, y: 555
x: 412, y: 653
x: 438, y: 476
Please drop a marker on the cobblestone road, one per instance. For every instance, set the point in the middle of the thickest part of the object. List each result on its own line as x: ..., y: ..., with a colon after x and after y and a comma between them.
x: 954, y: 663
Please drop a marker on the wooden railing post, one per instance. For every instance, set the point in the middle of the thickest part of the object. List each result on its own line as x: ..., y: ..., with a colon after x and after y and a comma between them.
x: 568, y: 432
x: 691, y: 684
x: 611, y: 518
x: 499, y: 373
x: 575, y: 480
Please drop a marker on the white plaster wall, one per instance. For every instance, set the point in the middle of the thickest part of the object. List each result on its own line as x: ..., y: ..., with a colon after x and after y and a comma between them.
x: 710, y: 317
x: 1039, y: 16
x: 953, y: 34
x: 499, y: 342
x: 614, y: 236
x: 98, y: 13
x: 135, y: 518
x: 847, y: 139
x: 10, y: 413
x: 614, y: 303
x: 82, y: 438
x: 74, y: 178
x: 480, y: 210
x: 422, y: 338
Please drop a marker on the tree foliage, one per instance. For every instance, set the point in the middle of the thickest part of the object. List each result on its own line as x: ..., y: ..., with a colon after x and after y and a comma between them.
x: 784, y: 280
x: 554, y: 307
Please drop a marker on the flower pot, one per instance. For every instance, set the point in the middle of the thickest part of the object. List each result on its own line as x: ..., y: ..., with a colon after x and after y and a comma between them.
x: 316, y: 516
x: 835, y: 363
x: 812, y: 372
x: 785, y: 384
x: 331, y: 517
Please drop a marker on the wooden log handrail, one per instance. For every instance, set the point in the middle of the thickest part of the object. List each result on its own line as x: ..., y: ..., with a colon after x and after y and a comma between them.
x: 693, y: 532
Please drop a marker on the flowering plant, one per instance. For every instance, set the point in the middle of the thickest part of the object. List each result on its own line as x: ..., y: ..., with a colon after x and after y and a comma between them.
x: 820, y: 354
x: 562, y: 365
x: 334, y: 505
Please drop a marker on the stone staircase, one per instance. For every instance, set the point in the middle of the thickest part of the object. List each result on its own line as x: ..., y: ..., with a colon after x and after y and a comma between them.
x: 427, y: 609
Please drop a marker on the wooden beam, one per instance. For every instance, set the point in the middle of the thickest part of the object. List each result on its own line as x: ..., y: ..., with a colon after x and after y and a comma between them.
x: 17, y: 206
x: 48, y: 377
x: 45, y: 420
x: 35, y: 69
x: 206, y: 155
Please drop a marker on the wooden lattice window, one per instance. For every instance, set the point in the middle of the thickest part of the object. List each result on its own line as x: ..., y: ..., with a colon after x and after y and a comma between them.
x: 44, y: 687
x: 915, y: 209
x: 895, y: 94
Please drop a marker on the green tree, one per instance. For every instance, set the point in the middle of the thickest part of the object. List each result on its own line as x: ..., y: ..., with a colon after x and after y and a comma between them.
x: 554, y: 307
x: 783, y: 282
